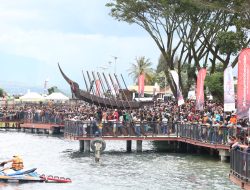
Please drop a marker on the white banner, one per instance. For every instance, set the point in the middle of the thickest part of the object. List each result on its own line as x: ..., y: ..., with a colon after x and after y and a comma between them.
x: 176, y: 80
x: 229, y: 95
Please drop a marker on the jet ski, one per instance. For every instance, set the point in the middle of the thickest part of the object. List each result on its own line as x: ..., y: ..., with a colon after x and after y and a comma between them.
x: 30, y: 175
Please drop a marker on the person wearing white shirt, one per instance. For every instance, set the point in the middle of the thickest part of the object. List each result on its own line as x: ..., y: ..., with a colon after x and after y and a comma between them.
x: 165, y: 125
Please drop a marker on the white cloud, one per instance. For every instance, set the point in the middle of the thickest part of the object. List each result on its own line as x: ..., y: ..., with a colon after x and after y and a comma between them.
x: 17, y: 15
x: 77, y: 50
x: 47, y: 46
x: 41, y: 31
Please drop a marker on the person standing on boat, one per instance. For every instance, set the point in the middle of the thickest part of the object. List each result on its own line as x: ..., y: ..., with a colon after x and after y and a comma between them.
x: 17, y: 163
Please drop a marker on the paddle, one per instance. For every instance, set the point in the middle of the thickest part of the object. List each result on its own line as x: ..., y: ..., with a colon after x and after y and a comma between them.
x: 3, y: 163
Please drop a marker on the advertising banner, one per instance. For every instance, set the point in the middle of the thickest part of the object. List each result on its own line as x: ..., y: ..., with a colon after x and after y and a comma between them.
x: 229, y: 95
x: 176, y: 80
x: 243, y: 86
x: 97, y: 84
x: 200, y: 89
x: 141, y: 85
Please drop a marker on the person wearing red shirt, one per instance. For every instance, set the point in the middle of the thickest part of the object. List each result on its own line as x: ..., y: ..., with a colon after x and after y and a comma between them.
x: 115, y: 120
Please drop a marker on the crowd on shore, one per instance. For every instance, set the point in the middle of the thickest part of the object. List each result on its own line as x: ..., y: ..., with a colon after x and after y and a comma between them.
x: 212, y: 113
x: 166, y: 113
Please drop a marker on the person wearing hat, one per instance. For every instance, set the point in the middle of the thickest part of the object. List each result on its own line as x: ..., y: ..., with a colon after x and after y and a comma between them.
x: 17, y: 163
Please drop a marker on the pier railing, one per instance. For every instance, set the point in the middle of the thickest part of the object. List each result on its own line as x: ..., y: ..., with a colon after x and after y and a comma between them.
x: 9, y: 120
x: 113, y: 128
x: 213, y: 134
x: 40, y: 117
x: 240, y: 165
x: 199, y: 132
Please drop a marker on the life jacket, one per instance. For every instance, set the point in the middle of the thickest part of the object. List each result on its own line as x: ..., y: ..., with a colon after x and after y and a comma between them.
x: 17, y: 163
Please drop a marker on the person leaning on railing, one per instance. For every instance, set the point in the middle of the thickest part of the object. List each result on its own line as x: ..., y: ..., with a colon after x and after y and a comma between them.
x: 120, y: 123
x: 238, y: 143
x: 158, y: 123
x: 233, y: 119
x: 165, y: 125
x: 242, y: 151
x: 225, y: 132
x: 137, y: 124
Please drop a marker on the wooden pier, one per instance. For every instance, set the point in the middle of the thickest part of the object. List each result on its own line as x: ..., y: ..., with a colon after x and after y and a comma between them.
x: 223, y: 150
x: 84, y: 140
x: 243, y: 184
x: 188, y: 138
x: 46, y: 128
x: 240, y: 168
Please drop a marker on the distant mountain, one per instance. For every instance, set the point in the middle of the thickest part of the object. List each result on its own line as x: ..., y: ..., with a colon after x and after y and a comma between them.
x: 15, y: 88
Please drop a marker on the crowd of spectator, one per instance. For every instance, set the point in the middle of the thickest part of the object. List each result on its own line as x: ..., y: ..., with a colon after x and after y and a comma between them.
x: 211, y: 125
x: 163, y: 116
x: 168, y: 111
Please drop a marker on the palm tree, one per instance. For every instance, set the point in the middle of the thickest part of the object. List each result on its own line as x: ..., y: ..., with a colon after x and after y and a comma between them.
x: 142, y: 66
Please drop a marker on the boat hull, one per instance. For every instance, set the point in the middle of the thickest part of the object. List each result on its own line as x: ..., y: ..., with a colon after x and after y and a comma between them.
x: 97, y: 100
x: 25, y: 176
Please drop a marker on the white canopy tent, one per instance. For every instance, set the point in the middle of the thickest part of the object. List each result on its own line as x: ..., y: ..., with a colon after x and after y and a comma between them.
x: 57, y: 96
x: 32, y: 97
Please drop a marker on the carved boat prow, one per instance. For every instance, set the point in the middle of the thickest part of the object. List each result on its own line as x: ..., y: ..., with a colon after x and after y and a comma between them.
x: 105, y: 102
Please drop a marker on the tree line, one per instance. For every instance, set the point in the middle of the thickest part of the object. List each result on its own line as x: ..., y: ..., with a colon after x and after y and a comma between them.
x: 190, y: 34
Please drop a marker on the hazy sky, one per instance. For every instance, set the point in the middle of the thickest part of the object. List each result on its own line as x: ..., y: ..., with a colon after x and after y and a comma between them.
x: 37, y: 34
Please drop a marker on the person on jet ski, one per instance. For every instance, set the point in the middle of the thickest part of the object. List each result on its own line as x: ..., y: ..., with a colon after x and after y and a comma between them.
x: 17, y: 163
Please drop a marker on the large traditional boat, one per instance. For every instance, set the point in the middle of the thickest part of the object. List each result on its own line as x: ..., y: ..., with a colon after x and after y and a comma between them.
x: 108, y: 102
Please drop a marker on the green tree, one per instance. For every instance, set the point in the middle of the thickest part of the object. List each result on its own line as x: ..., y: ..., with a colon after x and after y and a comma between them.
x: 142, y: 66
x: 160, y: 79
x: 158, y: 19
x: 214, y: 82
x: 54, y: 89
x: 230, y: 42
x: 1, y: 92
x: 231, y: 34
x: 193, y: 30
x: 187, y: 74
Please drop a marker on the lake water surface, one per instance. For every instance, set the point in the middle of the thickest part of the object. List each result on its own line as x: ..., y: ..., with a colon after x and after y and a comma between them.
x: 117, y: 170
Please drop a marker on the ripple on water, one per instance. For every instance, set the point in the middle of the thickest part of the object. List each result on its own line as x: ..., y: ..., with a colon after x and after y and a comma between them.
x: 117, y: 170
